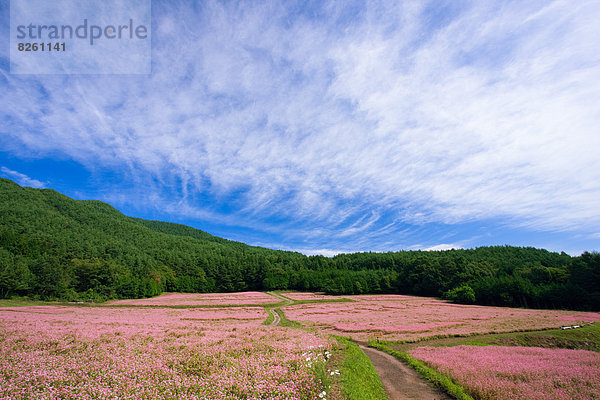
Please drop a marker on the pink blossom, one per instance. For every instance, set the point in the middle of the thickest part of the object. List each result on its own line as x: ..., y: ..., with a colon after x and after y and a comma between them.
x: 154, y: 353
x: 518, y: 373
x: 397, y: 317
x: 201, y: 299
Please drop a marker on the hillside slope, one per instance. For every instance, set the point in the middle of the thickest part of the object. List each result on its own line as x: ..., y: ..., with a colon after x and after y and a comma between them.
x: 58, y: 245
x: 52, y: 246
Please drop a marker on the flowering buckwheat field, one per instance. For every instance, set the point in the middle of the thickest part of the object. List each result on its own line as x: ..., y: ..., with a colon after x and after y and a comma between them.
x: 215, y: 346
x: 201, y: 299
x: 70, y: 352
x: 525, y: 373
x: 396, y: 317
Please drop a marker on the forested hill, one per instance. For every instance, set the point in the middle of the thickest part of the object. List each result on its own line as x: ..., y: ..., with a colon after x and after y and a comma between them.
x: 54, y: 247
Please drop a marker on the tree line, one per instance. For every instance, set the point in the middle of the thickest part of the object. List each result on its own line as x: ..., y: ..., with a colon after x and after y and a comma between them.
x: 53, y: 247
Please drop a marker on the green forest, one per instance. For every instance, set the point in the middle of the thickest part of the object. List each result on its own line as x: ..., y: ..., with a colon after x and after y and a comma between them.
x: 55, y: 248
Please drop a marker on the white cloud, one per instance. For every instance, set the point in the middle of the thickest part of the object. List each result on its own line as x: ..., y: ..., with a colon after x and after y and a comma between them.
x: 345, y: 131
x: 319, y: 252
x: 22, y: 179
x: 443, y: 246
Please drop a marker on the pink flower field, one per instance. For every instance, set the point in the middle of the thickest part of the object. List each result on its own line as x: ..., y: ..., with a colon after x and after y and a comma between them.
x: 202, y: 299
x: 518, y: 373
x: 396, y: 317
x: 58, y: 352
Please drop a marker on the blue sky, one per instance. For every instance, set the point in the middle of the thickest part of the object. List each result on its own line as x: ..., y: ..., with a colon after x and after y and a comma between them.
x: 328, y: 127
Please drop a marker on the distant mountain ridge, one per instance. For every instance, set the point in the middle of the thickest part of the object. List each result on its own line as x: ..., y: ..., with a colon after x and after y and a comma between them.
x: 54, y: 247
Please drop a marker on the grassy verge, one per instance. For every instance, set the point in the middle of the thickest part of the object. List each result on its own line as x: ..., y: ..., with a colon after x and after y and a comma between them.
x: 358, y: 378
x: 454, y: 336
x: 270, y: 318
x: 25, y: 303
x: 287, y: 322
x: 441, y: 381
x: 584, y: 338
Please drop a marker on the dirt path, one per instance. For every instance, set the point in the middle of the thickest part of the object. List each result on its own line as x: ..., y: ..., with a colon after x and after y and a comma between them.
x: 276, y: 318
x: 400, y: 381
x: 280, y: 297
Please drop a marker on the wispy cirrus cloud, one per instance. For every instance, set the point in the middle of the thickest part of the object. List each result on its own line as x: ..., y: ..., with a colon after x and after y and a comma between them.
x: 22, y: 179
x: 349, y: 125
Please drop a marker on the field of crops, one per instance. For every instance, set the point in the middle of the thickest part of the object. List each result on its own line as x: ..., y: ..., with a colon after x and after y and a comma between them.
x: 201, y: 299
x: 485, y: 372
x: 215, y: 346
x: 71, y: 352
x: 304, y: 296
x: 396, y: 317
x: 525, y: 373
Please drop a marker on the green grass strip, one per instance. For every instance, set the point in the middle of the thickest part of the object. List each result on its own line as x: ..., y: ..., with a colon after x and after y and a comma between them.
x: 358, y: 377
x: 286, y: 322
x: 26, y: 303
x: 270, y: 318
x: 441, y: 381
x: 586, y: 337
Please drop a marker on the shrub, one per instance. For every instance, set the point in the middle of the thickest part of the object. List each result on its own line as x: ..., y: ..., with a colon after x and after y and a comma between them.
x: 463, y: 294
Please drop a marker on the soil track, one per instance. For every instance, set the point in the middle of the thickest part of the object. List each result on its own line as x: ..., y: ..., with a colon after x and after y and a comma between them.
x: 400, y: 381
x: 276, y: 318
